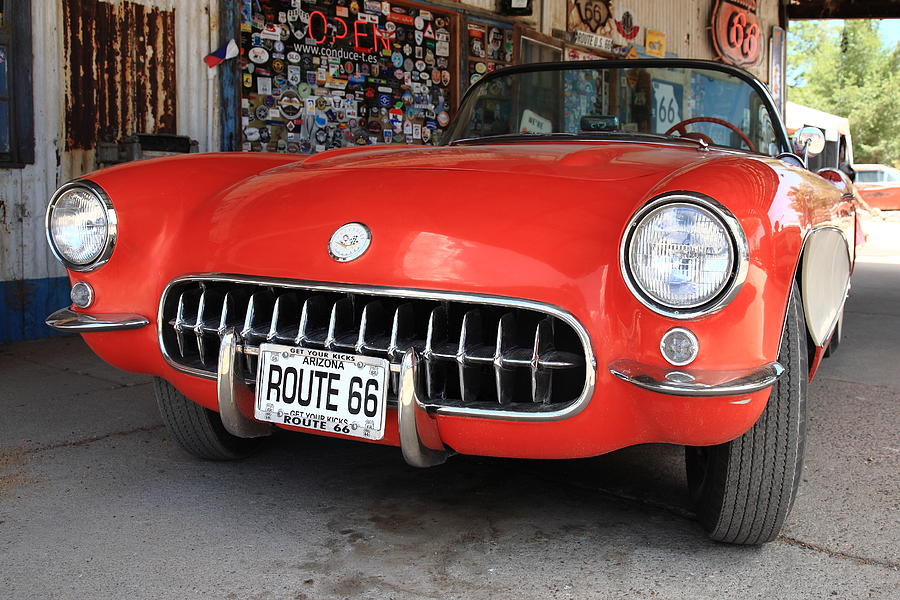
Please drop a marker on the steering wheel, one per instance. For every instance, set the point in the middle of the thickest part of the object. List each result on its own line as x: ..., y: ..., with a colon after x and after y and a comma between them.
x: 680, y: 128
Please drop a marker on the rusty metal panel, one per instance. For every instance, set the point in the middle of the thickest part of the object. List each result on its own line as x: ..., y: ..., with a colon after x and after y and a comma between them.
x: 121, y: 76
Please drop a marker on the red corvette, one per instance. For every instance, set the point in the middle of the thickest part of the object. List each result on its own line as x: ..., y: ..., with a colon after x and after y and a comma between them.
x: 598, y: 255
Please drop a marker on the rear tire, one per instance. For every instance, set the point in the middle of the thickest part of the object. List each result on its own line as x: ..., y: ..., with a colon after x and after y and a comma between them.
x: 198, y: 430
x: 744, y: 489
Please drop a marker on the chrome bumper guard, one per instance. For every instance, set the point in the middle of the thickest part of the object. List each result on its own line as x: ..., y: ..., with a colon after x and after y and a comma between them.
x: 420, y: 440
x: 69, y: 320
x: 696, y: 382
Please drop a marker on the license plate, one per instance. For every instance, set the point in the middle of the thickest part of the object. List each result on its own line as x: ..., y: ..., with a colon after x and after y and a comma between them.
x: 322, y: 390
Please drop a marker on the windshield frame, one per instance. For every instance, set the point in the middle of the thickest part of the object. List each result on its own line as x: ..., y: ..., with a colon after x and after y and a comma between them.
x: 674, y: 63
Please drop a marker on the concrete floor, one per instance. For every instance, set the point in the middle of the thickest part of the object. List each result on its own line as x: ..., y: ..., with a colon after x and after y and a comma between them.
x: 97, y: 502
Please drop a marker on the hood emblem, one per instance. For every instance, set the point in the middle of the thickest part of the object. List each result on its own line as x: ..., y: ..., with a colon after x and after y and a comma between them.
x: 349, y: 242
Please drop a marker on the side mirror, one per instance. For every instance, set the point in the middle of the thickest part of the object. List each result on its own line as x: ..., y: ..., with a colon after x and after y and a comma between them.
x: 808, y: 141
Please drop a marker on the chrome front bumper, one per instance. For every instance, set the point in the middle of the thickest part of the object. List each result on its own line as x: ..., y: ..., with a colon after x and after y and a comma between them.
x: 420, y: 440
x: 69, y: 320
x: 696, y: 382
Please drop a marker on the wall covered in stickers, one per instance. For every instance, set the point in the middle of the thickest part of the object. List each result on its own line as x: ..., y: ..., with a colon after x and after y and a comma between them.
x: 332, y: 74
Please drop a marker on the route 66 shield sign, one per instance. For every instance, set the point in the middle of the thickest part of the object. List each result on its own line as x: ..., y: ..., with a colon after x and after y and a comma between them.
x: 736, y: 33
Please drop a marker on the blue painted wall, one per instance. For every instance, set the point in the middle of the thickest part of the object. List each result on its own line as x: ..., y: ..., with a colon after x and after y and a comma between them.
x: 25, y: 304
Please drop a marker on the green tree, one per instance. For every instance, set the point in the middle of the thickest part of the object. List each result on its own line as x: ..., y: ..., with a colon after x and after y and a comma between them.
x: 844, y: 69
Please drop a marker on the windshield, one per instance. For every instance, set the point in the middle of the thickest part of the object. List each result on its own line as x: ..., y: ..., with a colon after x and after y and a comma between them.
x: 589, y: 100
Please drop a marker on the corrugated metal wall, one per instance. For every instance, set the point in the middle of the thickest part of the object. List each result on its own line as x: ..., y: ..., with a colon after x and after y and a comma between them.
x: 684, y: 22
x: 31, y: 281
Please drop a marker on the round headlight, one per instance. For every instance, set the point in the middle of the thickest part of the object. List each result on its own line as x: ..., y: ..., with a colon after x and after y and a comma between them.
x: 681, y: 257
x: 81, y: 226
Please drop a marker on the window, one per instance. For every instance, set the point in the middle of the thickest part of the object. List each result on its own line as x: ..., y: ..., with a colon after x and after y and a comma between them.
x: 16, y: 116
x: 869, y: 176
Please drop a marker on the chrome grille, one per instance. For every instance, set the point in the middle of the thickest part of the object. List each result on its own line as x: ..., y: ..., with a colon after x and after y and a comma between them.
x: 479, y: 352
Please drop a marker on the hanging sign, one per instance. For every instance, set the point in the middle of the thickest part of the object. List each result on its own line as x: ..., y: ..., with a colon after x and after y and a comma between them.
x: 592, y: 40
x: 655, y: 43
x: 736, y: 31
x: 776, y: 67
x: 592, y: 16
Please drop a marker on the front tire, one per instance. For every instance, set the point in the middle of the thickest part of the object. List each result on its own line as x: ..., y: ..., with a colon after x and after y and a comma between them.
x: 744, y: 489
x: 198, y: 430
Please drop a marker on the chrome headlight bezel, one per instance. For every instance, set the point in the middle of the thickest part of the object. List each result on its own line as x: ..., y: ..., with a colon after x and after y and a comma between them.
x: 111, y: 225
x: 739, y: 249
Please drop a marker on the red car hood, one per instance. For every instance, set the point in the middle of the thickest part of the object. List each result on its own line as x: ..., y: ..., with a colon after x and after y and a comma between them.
x: 592, y: 161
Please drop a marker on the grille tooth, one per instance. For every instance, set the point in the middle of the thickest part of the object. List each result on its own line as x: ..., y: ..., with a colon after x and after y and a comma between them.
x: 227, y: 318
x: 401, y: 339
x: 314, y: 318
x: 469, y: 338
x: 435, y: 370
x: 179, y: 324
x: 372, y: 321
x: 541, y: 378
x: 478, y: 354
x: 504, y: 377
x: 340, y: 323
x: 198, y: 326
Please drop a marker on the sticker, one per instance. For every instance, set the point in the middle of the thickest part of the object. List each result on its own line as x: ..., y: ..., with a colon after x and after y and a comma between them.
x: 397, y: 59
x: 445, y: 77
x: 248, y: 80
x: 419, y: 22
x: 290, y: 105
x: 442, y: 49
x: 443, y: 118
x: 295, y: 75
x: 417, y: 132
x: 321, y: 103
x: 271, y: 31
x: 277, y: 65
x: 293, y: 57
x: 251, y: 134
x: 264, y: 85
x: 480, y: 68
x: 258, y: 55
